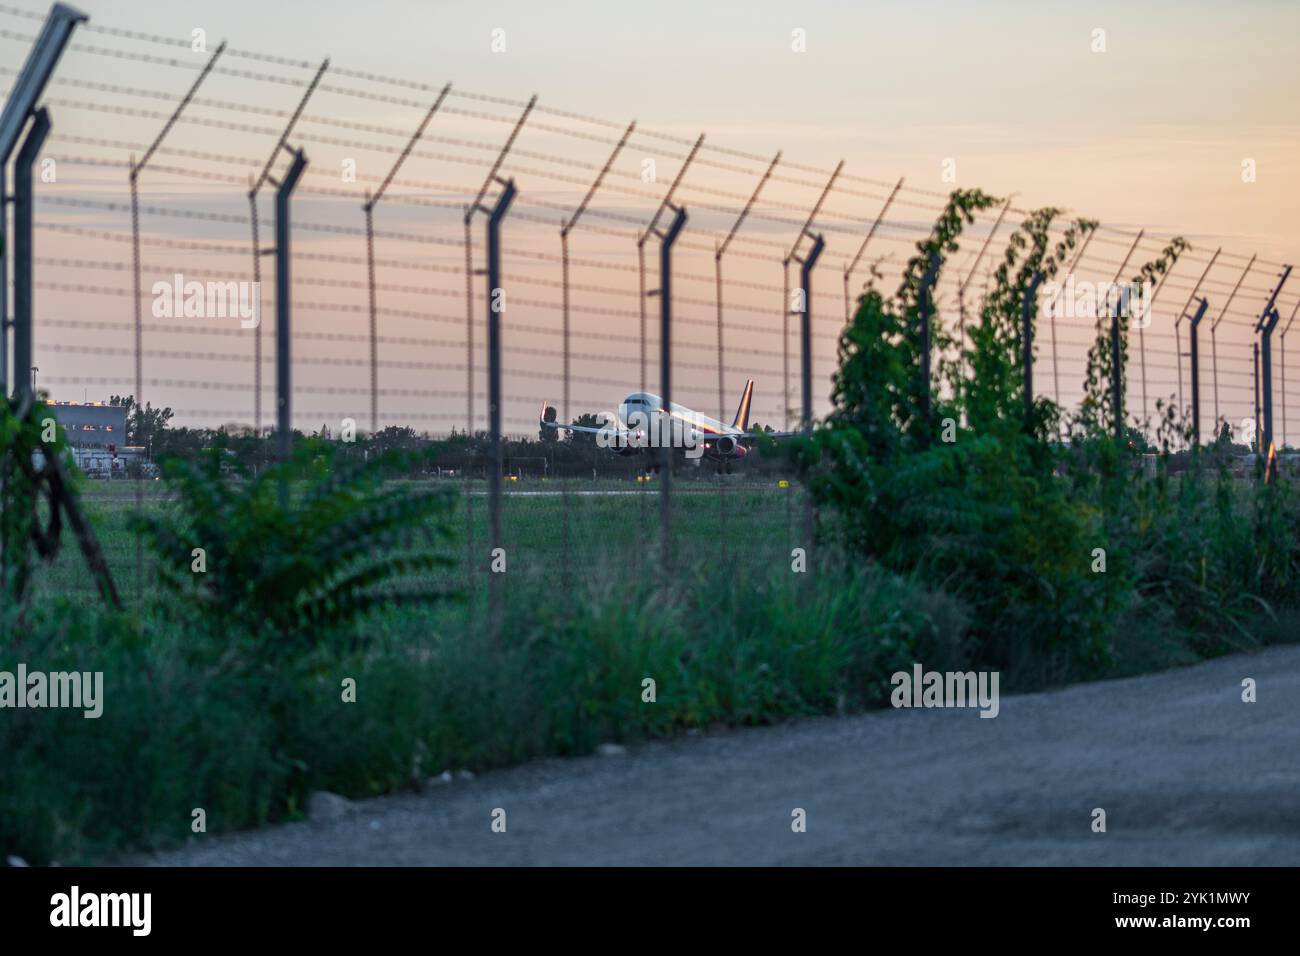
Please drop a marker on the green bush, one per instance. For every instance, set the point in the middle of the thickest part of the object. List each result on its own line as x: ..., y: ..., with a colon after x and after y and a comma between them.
x: 1011, y: 507
x: 181, y: 731
x: 300, y: 551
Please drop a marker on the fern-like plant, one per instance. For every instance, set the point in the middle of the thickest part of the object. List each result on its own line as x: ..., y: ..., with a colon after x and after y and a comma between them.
x: 300, y: 550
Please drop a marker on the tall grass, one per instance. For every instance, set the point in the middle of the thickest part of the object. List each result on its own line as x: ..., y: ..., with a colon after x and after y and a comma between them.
x: 185, y: 726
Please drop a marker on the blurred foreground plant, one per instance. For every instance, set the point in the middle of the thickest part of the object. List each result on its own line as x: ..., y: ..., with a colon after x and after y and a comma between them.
x: 304, y: 547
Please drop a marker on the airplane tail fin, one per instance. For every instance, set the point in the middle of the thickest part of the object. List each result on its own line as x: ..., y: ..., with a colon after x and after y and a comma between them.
x: 741, y: 420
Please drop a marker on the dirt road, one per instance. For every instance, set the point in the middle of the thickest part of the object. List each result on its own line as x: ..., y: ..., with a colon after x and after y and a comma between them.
x: 1186, y: 772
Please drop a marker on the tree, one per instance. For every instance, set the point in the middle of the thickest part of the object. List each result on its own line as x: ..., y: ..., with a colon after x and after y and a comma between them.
x: 396, y: 437
x: 144, y: 427
x: 585, y: 439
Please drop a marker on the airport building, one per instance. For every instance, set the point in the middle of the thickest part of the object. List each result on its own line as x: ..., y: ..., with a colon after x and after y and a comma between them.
x: 97, y: 436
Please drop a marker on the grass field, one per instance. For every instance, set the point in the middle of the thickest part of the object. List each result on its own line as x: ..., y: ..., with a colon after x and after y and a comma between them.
x: 746, y: 524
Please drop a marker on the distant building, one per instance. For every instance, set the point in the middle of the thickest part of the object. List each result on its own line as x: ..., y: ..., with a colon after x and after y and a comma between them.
x: 97, y: 436
x: 93, y: 424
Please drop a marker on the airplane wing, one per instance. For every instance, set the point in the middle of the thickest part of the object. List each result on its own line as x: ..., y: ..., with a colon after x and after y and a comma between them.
x: 767, y: 434
x: 547, y: 420
x: 571, y: 428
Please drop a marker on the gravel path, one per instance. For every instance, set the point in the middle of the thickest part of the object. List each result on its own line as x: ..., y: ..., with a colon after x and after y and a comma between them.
x: 1186, y: 772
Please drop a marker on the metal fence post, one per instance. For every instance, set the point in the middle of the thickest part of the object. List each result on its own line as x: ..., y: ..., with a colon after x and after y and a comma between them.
x: 1254, y: 355
x: 1027, y: 341
x: 1182, y: 315
x: 793, y: 256
x: 369, y: 209
x: 652, y: 229
x: 718, y: 252
x: 1117, y: 370
x: 805, y: 329
x: 1268, y: 320
x: 39, y: 65
x: 1196, y: 372
x: 926, y: 304
x: 1282, y: 358
x: 848, y: 269
x: 666, y: 383
x: 805, y: 342
x: 566, y: 226
x: 254, y: 187
x: 23, y: 203
x: 283, y: 317
x: 1214, y: 338
x: 1052, y: 310
x: 961, y: 287
x: 495, y: 217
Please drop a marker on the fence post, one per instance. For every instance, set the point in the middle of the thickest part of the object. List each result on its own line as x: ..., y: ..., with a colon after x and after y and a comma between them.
x: 805, y: 329
x: 805, y: 342
x: 23, y: 203
x: 926, y: 304
x: 369, y: 209
x: 494, y: 466
x: 566, y: 226
x: 666, y: 383
x: 1282, y: 358
x: 254, y: 187
x: 1178, y: 341
x: 283, y: 317
x: 1254, y: 355
x: 848, y: 269
x: 1214, y: 337
x: 1268, y: 320
x: 652, y: 228
x: 495, y: 217
x: 961, y: 287
x: 1052, y: 309
x: 1117, y: 369
x: 39, y: 65
x: 1196, y: 373
x: 1027, y: 340
x: 718, y: 252
x: 793, y: 256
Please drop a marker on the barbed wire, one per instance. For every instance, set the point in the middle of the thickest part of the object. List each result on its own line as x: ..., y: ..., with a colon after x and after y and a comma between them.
x: 762, y: 247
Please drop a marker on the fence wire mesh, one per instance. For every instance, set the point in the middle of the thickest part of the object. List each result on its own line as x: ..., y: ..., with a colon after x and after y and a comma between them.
x: 390, y: 294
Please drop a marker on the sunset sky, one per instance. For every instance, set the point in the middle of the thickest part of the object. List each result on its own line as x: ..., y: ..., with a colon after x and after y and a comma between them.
x: 1150, y: 134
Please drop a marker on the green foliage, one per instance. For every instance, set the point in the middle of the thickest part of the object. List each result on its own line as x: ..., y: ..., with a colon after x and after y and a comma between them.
x: 145, y: 427
x: 300, y: 550
x: 23, y: 462
x: 985, y: 502
x: 1096, y: 411
x: 433, y: 695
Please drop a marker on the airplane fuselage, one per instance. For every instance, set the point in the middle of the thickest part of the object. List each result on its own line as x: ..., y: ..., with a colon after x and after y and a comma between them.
x: 644, y: 413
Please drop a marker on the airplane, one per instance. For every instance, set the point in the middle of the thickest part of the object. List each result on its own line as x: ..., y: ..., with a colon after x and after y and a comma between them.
x: 639, y: 427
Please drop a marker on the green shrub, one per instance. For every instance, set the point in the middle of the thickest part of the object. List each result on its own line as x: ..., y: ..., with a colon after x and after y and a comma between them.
x: 300, y: 551
x: 986, y: 499
x: 181, y: 731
